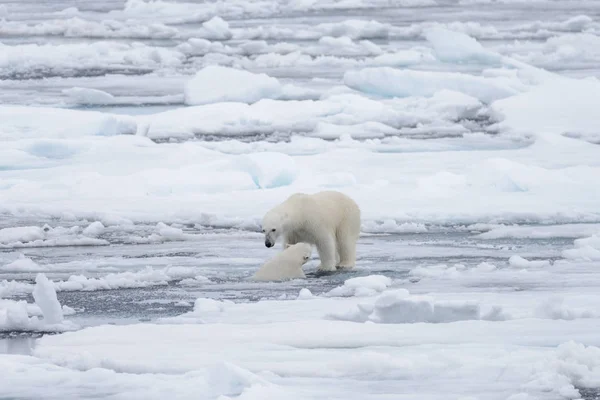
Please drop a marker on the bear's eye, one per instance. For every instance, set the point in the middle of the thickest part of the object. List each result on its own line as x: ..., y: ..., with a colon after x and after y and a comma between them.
x: 273, y: 230
x: 263, y: 231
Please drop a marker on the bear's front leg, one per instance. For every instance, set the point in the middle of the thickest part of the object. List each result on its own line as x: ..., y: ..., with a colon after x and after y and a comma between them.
x: 289, y: 240
x: 327, y: 253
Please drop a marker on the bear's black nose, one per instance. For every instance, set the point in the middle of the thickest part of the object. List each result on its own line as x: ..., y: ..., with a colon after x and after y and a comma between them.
x: 268, y: 244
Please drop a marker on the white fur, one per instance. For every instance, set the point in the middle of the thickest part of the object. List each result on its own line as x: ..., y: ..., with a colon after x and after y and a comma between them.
x: 330, y: 220
x: 285, y: 265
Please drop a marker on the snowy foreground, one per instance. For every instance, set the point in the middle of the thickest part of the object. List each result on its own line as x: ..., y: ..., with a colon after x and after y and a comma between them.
x: 141, y: 142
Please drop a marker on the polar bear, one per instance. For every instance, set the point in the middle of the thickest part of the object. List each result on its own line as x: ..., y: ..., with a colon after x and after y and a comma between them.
x: 285, y: 265
x: 330, y: 220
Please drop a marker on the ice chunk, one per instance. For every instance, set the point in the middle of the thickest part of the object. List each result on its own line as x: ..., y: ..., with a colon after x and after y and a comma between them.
x: 215, y: 84
x: 45, y: 297
x: 390, y: 82
x: 94, y: 229
x: 450, y: 46
x: 520, y: 262
x: 269, y: 169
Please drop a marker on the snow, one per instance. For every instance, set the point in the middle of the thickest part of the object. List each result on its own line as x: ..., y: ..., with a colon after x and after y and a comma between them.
x: 142, y: 142
x: 216, y: 84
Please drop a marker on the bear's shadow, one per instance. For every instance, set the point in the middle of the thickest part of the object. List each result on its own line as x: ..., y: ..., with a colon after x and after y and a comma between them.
x: 321, y: 274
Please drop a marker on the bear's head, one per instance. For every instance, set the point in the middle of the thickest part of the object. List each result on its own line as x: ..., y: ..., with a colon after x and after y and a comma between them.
x: 273, y: 225
x: 303, y: 250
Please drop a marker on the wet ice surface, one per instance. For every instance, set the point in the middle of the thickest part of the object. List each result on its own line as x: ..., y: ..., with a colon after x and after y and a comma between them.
x: 228, y: 262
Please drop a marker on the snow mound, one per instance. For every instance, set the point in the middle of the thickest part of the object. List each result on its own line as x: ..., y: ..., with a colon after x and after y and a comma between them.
x: 560, y: 106
x: 196, y: 281
x: 202, y: 308
x: 390, y: 82
x: 21, y: 234
x: 520, y: 262
x: 23, y: 264
x: 87, y: 96
x: 165, y: 233
x: 94, y: 229
x: 364, y: 130
x: 214, y: 84
x: 361, y: 287
x: 305, y: 294
x: 269, y: 169
x: 139, y: 279
x: 555, y: 308
x: 540, y: 231
x: 46, y: 236
x: 391, y: 226
x: 35, y: 122
x: 587, y: 249
x: 216, y: 29
x: 355, y: 29
x: 400, y: 307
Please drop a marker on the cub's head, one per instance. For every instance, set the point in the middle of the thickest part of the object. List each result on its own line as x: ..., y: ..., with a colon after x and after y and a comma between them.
x: 302, y: 250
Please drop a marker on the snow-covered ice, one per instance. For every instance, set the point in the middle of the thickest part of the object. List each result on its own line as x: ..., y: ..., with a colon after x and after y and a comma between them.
x: 142, y: 141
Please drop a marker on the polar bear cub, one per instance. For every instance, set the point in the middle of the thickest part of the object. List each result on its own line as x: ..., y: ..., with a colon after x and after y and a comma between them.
x: 285, y: 265
x: 329, y: 220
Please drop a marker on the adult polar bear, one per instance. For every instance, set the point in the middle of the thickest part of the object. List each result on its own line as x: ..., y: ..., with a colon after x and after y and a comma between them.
x: 329, y: 220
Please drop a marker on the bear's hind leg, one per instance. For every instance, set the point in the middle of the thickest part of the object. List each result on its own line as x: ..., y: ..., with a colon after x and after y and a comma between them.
x: 346, y: 245
x: 326, y: 249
